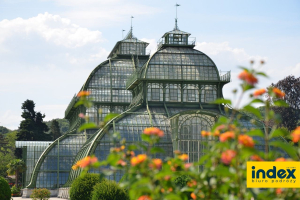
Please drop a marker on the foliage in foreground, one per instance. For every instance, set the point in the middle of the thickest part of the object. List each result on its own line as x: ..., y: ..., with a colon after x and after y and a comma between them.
x: 82, y: 186
x: 5, y: 193
x: 221, y: 172
x: 108, y: 190
x: 40, y: 194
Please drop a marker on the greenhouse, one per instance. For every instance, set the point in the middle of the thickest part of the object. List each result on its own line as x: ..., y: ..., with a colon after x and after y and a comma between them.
x: 172, y: 89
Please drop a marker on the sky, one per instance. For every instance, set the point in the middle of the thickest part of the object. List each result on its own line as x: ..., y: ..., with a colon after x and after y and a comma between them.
x: 48, y: 48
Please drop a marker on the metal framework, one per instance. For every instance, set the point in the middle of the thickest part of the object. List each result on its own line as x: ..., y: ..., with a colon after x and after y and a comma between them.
x: 171, y: 90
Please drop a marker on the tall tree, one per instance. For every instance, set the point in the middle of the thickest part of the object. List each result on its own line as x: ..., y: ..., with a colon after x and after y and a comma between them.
x: 55, y: 130
x: 15, y: 167
x: 290, y: 115
x: 32, y: 128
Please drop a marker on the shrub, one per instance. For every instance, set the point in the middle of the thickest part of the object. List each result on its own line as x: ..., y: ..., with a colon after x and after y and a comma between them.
x: 5, y: 193
x: 182, y: 180
x: 82, y: 187
x: 40, y: 194
x: 15, y: 191
x: 109, y: 190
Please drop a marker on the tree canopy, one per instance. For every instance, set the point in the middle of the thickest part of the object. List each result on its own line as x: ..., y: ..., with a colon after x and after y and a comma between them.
x: 290, y: 116
x: 32, y: 127
x: 54, y: 128
x: 15, y: 167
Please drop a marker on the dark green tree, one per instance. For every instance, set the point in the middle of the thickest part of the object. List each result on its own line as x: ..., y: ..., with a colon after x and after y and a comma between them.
x: 290, y: 116
x: 32, y: 128
x: 55, y: 130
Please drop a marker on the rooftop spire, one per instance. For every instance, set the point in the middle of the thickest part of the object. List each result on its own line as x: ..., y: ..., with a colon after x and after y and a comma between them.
x: 176, y: 26
x: 131, y: 23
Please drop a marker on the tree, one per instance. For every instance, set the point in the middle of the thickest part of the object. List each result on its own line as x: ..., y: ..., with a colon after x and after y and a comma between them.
x: 7, y: 149
x: 289, y: 115
x: 54, y: 128
x: 32, y: 128
x: 15, y: 167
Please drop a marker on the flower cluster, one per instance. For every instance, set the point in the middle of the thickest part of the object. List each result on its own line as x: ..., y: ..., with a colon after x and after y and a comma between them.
x: 248, y: 77
x: 138, y: 159
x: 85, y: 162
x: 83, y: 93
x: 153, y: 131
x: 296, y: 135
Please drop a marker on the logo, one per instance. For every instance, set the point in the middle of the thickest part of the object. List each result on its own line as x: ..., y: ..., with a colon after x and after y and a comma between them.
x: 273, y: 174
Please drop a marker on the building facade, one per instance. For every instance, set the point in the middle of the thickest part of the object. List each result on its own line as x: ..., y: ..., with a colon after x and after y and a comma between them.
x: 172, y: 89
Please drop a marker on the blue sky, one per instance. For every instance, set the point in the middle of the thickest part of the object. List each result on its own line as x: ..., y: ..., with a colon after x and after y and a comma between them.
x: 48, y: 48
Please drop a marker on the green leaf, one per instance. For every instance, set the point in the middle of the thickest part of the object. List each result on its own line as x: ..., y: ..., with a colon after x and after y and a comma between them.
x: 172, y: 196
x: 256, y: 132
x: 157, y: 150
x: 262, y: 74
x: 247, y: 87
x: 110, y: 116
x: 222, y: 101
x: 90, y: 125
x: 253, y: 110
x: 78, y: 103
x: 146, y: 138
x: 281, y: 103
x: 132, y: 147
x: 256, y: 101
x: 288, y: 148
x: 279, y: 132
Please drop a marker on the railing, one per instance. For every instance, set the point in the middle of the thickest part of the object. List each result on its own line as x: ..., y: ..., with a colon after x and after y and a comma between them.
x: 191, y: 41
x: 71, y: 104
x: 132, y: 78
x: 225, y: 76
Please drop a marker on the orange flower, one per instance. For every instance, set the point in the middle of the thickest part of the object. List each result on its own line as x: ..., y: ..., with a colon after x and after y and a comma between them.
x: 278, y: 93
x: 248, y: 77
x: 227, y: 135
x: 121, y: 162
x: 221, y: 127
x: 278, y: 191
x: 145, y: 197
x: 170, y: 189
x: 153, y: 131
x: 85, y: 162
x: 296, y: 135
x: 193, y: 195
x: 187, y: 165
x: 162, y: 190
x: 83, y: 93
x: 280, y: 159
x: 167, y: 178
x: 256, y: 158
x: 227, y: 156
x: 259, y: 92
x: 177, y: 152
x: 138, y: 159
x: 156, y: 163
x: 183, y: 157
x: 246, y: 140
x: 191, y: 183
x: 216, y: 133
x: 205, y: 133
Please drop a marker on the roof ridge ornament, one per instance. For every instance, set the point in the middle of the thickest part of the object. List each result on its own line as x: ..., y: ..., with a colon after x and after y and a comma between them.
x: 176, y: 26
x: 130, y: 33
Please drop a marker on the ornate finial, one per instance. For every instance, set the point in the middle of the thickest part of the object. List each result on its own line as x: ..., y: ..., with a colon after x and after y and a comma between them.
x: 131, y: 22
x: 176, y: 26
x: 122, y: 34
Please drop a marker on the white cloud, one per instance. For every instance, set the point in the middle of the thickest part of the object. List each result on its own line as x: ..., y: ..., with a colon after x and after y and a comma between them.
x: 225, y: 52
x: 52, y: 28
x: 152, y: 47
x: 104, y: 12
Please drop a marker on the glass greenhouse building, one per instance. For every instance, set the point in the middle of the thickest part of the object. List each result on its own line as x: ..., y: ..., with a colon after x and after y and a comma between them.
x: 170, y: 89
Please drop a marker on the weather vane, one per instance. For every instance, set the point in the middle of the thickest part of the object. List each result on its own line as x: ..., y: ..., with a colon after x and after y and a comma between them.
x: 176, y: 27
x: 131, y: 22
x: 122, y: 34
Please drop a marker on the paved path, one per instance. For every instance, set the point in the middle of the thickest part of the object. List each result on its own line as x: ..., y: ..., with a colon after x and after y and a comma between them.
x: 20, y: 198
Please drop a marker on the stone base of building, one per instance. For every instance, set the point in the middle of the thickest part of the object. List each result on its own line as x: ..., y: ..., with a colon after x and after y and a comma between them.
x: 26, y: 192
x: 64, y: 193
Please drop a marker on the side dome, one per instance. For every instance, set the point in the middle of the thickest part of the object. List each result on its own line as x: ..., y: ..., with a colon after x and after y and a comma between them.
x: 181, y: 63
